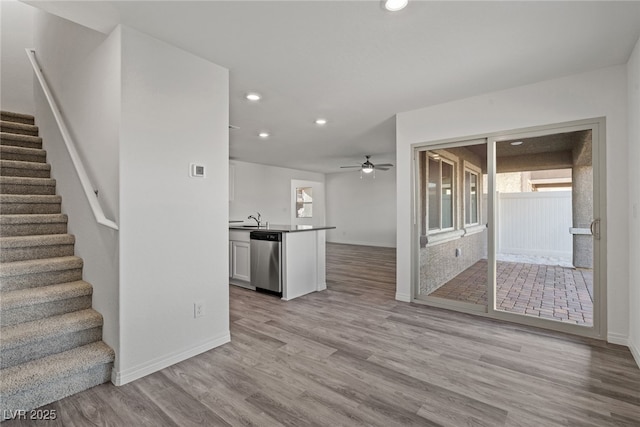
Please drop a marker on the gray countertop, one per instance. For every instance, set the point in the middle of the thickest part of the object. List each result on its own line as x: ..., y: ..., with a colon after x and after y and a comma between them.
x: 281, y: 228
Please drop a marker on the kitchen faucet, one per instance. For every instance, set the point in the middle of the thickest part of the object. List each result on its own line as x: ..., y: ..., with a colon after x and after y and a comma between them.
x: 256, y: 219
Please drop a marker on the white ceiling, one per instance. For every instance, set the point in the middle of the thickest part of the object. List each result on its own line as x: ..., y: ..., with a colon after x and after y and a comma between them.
x: 358, y: 65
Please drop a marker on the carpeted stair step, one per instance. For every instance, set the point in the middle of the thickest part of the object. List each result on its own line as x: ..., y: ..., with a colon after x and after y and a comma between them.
x: 22, y: 154
x: 9, y: 116
x: 37, y: 383
x: 50, y: 337
x: 13, y: 204
x: 39, y: 272
x: 28, y: 225
x: 26, y: 305
x: 28, y: 341
x: 19, y: 128
x: 26, y: 169
x: 22, y: 248
x: 16, y: 140
x: 25, y: 185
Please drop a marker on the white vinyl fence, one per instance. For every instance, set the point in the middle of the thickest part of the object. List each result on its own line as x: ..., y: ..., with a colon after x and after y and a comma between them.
x: 535, y: 224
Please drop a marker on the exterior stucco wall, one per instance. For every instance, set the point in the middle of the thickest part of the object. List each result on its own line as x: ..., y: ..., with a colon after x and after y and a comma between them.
x: 582, y: 202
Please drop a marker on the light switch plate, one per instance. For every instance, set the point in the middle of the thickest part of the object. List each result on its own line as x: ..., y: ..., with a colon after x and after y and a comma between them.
x: 196, y: 171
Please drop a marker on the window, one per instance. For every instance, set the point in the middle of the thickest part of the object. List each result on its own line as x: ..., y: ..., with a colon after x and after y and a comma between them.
x: 304, y: 202
x: 441, y: 195
x: 471, y: 198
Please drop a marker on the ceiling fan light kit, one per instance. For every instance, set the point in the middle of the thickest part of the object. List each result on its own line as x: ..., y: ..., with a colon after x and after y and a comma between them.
x: 368, y: 172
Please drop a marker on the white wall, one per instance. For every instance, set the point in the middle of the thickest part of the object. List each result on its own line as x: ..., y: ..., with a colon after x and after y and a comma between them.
x: 174, y: 232
x: 82, y: 68
x: 594, y: 94
x: 633, y: 79
x: 16, y: 87
x: 363, y: 210
x: 265, y: 189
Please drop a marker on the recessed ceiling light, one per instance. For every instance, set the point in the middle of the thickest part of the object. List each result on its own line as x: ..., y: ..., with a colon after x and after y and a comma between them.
x: 395, y: 5
x: 252, y: 96
x: 263, y: 134
x: 516, y: 143
x: 321, y: 121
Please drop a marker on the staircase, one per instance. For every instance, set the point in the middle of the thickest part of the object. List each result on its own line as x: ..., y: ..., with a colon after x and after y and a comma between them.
x: 50, y: 337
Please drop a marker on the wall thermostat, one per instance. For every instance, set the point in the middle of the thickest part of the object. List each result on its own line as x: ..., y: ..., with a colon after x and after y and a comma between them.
x: 196, y: 171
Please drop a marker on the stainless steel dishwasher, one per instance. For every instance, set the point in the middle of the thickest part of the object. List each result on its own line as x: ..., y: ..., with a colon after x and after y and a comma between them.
x: 266, y: 257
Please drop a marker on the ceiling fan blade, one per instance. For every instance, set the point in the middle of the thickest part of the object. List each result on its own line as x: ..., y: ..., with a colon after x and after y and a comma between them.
x: 384, y: 165
x: 350, y: 166
x: 381, y: 169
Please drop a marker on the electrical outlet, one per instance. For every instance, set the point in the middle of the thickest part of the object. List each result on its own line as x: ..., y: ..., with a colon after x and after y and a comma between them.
x: 458, y: 252
x: 198, y: 309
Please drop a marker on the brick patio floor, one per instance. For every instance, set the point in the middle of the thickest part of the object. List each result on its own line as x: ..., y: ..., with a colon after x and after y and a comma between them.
x: 546, y: 291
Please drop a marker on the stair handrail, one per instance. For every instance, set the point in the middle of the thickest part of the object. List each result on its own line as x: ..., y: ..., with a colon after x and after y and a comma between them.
x: 89, y: 191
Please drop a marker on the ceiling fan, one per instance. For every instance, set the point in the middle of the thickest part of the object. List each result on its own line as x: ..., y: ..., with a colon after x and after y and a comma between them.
x: 368, y: 167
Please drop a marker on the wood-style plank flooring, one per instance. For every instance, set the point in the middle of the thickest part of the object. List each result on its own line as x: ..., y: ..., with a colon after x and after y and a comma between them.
x: 353, y: 356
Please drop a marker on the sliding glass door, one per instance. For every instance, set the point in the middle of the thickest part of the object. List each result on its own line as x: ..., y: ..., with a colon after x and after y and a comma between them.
x: 510, y: 227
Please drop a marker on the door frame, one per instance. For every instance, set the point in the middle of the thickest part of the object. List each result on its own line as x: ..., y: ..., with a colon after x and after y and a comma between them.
x: 598, y: 131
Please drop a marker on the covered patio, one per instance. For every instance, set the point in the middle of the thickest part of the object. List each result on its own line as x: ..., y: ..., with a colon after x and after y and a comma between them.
x: 548, y: 291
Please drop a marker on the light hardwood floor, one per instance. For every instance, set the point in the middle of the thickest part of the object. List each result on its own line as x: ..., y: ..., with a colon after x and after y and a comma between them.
x: 353, y: 356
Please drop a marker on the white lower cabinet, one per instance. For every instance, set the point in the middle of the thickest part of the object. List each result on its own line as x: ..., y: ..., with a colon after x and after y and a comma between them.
x: 302, y: 261
x: 240, y: 257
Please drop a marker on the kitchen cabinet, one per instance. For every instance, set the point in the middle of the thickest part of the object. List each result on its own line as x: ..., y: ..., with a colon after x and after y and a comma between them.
x: 302, y: 261
x: 240, y: 259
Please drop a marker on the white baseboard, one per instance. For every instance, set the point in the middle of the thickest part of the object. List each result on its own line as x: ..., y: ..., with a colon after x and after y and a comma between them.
x: 361, y: 243
x: 144, y: 369
x: 322, y: 286
x: 635, y: 351
x: 615, y: 338
x: 403, y: 297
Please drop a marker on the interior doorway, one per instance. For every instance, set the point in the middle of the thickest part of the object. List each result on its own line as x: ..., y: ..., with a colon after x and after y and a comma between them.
x: 510, y: 226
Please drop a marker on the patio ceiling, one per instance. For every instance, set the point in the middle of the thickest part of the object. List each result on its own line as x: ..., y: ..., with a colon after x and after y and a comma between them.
x: 557, y: 151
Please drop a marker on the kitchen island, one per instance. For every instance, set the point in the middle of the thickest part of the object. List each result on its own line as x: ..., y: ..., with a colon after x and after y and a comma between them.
x: 302, y: 257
